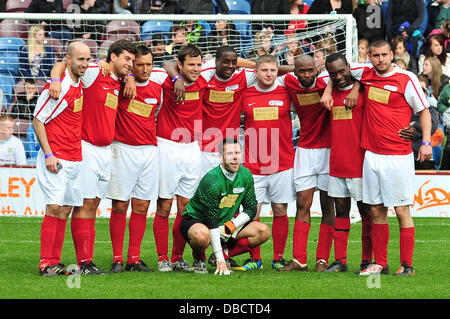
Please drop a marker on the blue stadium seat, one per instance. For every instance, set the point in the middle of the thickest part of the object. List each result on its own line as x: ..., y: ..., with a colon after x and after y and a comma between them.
x: 151, y: 27
x: 7, y: 83
x: 245, y: 29
x: 9, y: 63
x: 11, y: 44
x: 239, y: 7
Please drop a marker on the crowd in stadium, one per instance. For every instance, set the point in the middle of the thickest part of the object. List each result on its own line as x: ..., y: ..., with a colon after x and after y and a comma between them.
x: 418, y: 34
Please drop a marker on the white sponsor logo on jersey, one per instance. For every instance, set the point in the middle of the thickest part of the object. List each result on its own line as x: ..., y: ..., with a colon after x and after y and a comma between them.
x: 276, y: 103
x: 232, y: 87
x: 238, y: 190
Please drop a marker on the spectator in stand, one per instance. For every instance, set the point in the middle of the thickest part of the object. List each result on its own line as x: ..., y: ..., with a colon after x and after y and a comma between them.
x: 444, y: 30
x: 363, y: 50
x: 435, y: 47
x: 445, y: 161
x: 444, y: 99
x: 298, y: 7
x: 224, y: 34
x: 103, y: 6
x: 126, y: 6
x: 160, y: 6
x: 417, y: 138
x: 432, y: 70
x: 319, y: 60
x: 370, y: 20
x: 35, y: 58
x: 12, y: 151
x: 270, y: 7
x: 261, y: 45
x: 291, y: 51
x: 399, y: 47
x: 328, y: 43
x: 201, y: 6
x: 178, y: 36
x: 195, y: 33
x: 24, y: 106
x: 89, y: 29
x: 157, y: 46
x: 405, y: 17
x: 55, y: 28
x: 438, y: 12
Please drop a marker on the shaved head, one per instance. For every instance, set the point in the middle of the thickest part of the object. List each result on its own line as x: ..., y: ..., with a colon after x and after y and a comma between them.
x: 78, y: 55
x: 303, y: 59
x: 305, y: 70
x: 76, y: 46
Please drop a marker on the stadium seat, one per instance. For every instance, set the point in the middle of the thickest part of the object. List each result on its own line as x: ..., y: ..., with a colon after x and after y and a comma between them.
x: 11, y: 44
x: 245, y: 29
x: 151, y: 27
x: 20, y: 128
x: 9, y: 63
x: 7, y: 83
x: 116, y: 30
x: 14, y: 28
x: 92, y: 44
x: 17, y: 5
x: 239, y: 7
x: 57, y: 47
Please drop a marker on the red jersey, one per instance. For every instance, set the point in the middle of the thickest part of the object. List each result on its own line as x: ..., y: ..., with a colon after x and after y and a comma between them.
x: 268, y: 130
x: 222, y: 107
x: 391, y: 99
x: 346, y: 155
x: 62, y: 118
x: 135, y: 123
x: 315, y: 129
x: 180, y: 122
x: 101, y: 96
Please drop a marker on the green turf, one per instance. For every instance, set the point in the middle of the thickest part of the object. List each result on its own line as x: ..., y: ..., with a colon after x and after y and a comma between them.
x: 19, y: 278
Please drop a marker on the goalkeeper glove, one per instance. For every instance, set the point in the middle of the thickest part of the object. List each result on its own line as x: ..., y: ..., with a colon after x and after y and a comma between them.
x: 226, y: 230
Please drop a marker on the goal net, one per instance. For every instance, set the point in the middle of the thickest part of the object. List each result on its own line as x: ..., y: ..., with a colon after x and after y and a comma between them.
x: 31, y: 43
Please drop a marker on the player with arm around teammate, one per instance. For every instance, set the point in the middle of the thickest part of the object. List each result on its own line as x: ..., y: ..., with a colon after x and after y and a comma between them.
x: 212, y: 215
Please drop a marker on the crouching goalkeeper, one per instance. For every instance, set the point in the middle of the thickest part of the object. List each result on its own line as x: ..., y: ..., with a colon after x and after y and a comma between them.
x: 212, y: 214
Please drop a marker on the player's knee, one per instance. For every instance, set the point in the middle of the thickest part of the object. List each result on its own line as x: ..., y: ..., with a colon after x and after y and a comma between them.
x: 263, y: 232
x: 199, y: 236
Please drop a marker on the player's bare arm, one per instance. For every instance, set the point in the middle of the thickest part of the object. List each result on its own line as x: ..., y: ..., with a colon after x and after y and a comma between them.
x: 51, y: 162
x: 178, y: 86
x: 425, y: 151
x: 326, y: 99
x: 352, y: 97
x: 55, y: 86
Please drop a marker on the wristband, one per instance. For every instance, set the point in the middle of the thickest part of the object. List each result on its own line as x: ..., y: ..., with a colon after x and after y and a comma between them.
x: 55, y: 80
x: 49, y: 155
x: 425, y: 143
x: 131, y: 75
x: 176, y: 78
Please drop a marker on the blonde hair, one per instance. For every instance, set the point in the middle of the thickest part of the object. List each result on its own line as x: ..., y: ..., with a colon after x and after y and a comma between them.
x: 32, y: 42
x: 435, y: 76
x: 329, y: 44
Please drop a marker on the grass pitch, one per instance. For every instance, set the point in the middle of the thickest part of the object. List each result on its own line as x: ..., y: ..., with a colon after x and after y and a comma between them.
x: 19, y: 278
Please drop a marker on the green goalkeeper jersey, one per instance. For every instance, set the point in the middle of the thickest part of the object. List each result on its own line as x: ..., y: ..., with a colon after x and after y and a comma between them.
x: 217, y: 198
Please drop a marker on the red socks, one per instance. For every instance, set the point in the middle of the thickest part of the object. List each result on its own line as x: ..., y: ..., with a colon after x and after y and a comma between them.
x: 406, y: 245
x: 366, y: 241
x: 178, y: 240
x: 81, y: 232
x: 161, y: 234
x: 280, y: 231
x: 136, y: 227
x: 59, y: 239
x: 340, y: 234
x: 325, y: 242
x: 300, y: 241
x: 241, y: 246
x: 48, y: 235
x: 380, y: 240
x: 117, y: 226
x: 255, y: 252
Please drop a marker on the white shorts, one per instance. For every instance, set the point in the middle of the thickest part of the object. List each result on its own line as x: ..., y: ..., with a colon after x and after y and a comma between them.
x: 341, y: 187
x: 134, y: 172
x: 388, y: 179
x: 95, y: 169
x: 311, y: 168
x: 275, y: 188
x: 210, y: 160
x: 64, y: 188
x: 180, y: 168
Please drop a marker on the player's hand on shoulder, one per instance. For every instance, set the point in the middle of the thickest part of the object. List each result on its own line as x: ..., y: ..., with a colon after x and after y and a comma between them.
x: 54, y: 89
x: 104, y: 67
x: 129, y: 90
x: 179, y: 90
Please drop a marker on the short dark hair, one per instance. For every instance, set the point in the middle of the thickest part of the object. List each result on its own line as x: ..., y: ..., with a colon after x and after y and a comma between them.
x: 379, y: 44
x: 189, y: 49
x: 141, y: 50
x: 228, y: 140
x: 334, y: 57
x: 158, y: 38
x: 224, y: 49
x: 119, y: 46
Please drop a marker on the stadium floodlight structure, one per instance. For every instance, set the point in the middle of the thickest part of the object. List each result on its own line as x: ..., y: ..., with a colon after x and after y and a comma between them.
x: 325, y: 33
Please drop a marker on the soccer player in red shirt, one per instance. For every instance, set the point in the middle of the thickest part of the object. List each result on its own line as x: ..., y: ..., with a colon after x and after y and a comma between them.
x: 392, y: 94
x: 135, y: 169
x: 311, y: 164
x: 100, y: 101
x: 178, y: 131
x: 269, y: 153
x: 57, y: 123
x: 346, y: 161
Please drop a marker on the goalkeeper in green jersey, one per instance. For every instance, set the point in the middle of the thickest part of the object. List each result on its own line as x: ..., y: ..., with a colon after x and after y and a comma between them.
x: 213, y: 216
